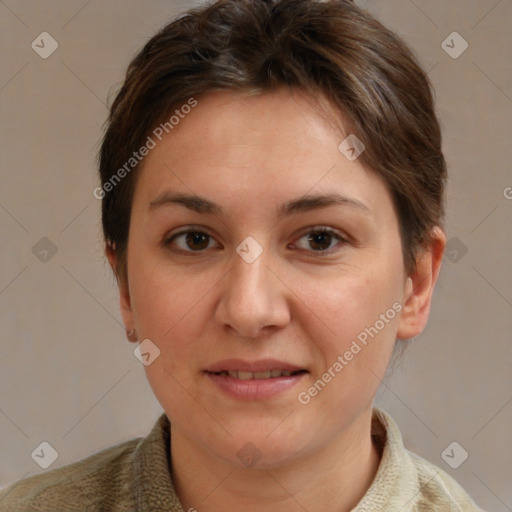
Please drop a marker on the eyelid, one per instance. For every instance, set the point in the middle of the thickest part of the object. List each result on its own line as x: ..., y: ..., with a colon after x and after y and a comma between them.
x: 320, y: 227
x: 168, y: 238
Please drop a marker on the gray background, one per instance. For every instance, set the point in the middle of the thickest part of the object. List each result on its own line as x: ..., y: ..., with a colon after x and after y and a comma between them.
x: 67, y: 374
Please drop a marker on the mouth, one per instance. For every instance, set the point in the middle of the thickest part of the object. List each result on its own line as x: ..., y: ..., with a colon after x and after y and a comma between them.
x: 268, y: 374
x: 257, y: 380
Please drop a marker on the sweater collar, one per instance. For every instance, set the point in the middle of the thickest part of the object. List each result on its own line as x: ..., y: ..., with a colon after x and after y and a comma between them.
x: 152, y: 478
x: 395, y: 486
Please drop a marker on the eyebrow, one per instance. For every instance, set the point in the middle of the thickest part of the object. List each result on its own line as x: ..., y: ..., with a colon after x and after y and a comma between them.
x: 302, y: 204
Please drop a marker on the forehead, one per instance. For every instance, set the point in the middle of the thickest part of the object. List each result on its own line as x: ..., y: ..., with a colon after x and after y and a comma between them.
x: 259, y: 148
x: 281, y: 122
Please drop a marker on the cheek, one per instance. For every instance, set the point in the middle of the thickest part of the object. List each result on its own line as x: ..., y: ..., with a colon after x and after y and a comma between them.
x: 169, y: 308
x: 354, y: 318
x: 342, y: 308
x: 159, y: 293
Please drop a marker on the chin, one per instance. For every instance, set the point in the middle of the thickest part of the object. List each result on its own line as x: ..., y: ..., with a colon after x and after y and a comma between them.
x: 257, y: 457
x: 260, y: 449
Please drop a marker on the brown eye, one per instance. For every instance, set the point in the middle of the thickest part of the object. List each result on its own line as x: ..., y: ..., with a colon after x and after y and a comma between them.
x: 189, y: 241
x: 197, y: 240
x: 320, y: 240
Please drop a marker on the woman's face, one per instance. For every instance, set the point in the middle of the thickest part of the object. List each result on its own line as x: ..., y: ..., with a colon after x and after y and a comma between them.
x: 256, y: 285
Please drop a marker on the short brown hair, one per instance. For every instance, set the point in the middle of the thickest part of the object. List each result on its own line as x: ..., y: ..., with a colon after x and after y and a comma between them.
x: 254, y: 46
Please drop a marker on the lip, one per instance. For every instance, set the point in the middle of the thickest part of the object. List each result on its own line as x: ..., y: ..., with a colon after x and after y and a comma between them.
x: 254, y: 389
x: 261, y: 365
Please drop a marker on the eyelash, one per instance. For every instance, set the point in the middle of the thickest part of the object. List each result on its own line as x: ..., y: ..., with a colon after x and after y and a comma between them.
x: 167, y: 242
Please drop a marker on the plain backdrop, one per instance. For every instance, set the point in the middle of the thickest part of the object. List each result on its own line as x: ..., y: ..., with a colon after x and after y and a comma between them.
x: 69, y: 377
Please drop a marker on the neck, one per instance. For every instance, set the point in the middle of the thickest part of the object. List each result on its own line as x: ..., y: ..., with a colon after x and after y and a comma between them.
x: 335, y: 477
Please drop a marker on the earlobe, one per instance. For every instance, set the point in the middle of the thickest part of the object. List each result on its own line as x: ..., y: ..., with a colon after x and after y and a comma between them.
x: 132, y: 335
x: 419, y: 287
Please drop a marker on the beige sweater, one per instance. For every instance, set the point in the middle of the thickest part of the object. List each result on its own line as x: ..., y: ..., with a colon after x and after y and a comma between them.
x: 135, y: 476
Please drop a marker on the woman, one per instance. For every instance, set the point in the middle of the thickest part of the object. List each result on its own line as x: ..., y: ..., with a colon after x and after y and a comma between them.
x: 272, y: 188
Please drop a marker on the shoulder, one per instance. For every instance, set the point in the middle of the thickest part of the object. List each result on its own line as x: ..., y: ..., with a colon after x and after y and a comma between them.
x: 406, y: 481
x: 95, y: 482
x: 438, y: 488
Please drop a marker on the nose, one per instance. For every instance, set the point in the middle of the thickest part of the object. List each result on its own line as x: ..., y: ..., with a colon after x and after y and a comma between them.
x: 253, y: 298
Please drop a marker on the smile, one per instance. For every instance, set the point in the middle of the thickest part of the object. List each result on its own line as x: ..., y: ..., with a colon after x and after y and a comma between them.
x: 269, y: 374
x: 253, y: 380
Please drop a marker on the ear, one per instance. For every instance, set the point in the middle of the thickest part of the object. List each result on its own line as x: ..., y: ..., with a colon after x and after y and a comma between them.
x: 419, y: 287
x: 124, y: 292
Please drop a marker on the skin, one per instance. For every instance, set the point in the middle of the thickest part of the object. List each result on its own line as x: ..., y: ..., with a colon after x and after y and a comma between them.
x: 249, y: 155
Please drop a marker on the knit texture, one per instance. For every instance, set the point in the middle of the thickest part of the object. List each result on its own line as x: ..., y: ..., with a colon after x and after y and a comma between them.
x: 136, y: 476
